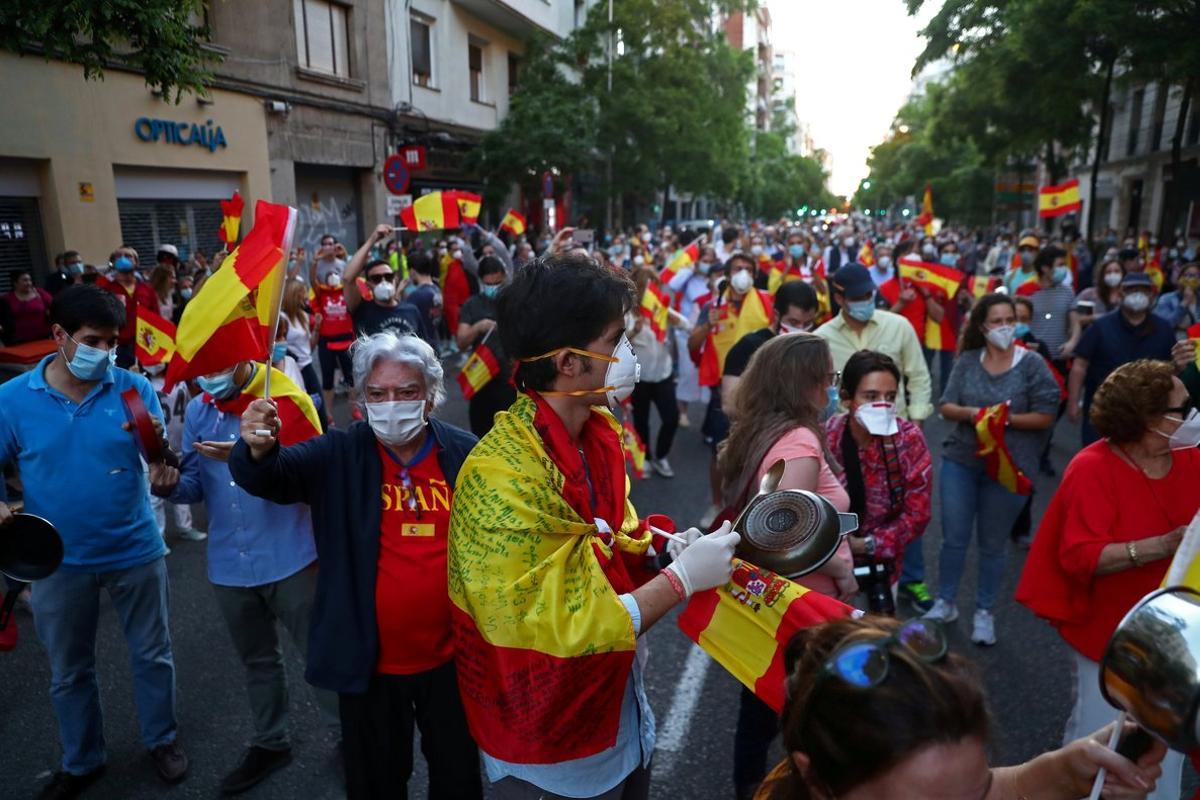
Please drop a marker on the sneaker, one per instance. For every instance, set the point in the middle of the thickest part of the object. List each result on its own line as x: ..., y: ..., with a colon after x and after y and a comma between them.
x: 662, y: 467
x: 170, y: 761
x: 983, y: 631
x: 917, y: 594
x: 64, y: 785
x: 191, y: 534
x: 256, y: 765
x: 710, y: 516
x: 684, y: 422
x: 942, y: 611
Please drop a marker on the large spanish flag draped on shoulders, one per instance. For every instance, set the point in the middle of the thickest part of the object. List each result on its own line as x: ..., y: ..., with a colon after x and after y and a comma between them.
x: 943, y: 284
x: 746, y: 624
x: 221, y: 326
x: 298, y: 420
x: 734, y: 323
x: 543, y: 644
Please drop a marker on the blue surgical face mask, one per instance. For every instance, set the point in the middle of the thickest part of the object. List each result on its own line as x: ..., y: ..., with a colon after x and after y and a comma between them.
x: 1022, y: 330
x: 278, y: 351
x: 123, y: 264
x: 489, y: 290
x: 1060, y: 275
x: 795, y: 250
x: 831, y: 403
x: 949, y: 259
x: 186, y: 294
x: 705, y: 267
x: 861, y: 310
x: 75, y: 269
x: 219, y: 386
x: 90, y: 363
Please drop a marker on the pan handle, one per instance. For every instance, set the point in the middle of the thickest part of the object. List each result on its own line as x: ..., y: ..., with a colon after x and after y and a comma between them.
x: 847, y: 523
x: 12, y: 590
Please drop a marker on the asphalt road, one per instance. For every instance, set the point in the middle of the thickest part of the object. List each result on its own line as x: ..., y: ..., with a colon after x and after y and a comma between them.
x: 694, y: 700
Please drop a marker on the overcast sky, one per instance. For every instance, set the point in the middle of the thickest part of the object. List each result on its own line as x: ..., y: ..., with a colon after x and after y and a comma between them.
x: 853, y: 62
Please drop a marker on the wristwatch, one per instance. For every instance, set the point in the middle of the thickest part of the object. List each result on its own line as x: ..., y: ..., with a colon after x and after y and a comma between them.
x: 1131, y: 551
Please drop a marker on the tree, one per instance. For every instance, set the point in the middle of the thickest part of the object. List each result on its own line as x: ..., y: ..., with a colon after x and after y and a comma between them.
x: 775, y: 182
x: 159, y: 38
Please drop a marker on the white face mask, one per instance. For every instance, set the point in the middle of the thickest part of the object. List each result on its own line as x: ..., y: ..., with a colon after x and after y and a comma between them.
x: 456, y: 255
x: 785, y: 329
x: 1112, y: 279
x: 848, y: 242
x: 396, y: 422
x: 638, y: 261
x: 645, y: 237
x: 741, y: 281
x: 1187, y: 435
x: 1001, y: 336
x: 1136, y: 301
x: 878, y: 418
x: 885, y: 262
x: 335, y: 280
x: 621, y: 374
x: 756, y: 249
x: 385, y: 291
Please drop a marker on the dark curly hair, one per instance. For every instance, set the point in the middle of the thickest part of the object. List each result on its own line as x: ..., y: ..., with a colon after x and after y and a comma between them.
x: 973, y: 337
x: 1131, y: 396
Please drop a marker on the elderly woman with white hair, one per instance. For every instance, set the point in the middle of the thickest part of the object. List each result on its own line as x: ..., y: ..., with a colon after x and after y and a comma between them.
x: 380, y: 493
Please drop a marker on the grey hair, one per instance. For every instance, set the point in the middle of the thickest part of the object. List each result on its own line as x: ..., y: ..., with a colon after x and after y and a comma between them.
x: 407, y: 349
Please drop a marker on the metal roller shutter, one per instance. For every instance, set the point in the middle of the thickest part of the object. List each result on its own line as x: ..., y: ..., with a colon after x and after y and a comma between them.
x: 22, y: 246
x: 190, y: 225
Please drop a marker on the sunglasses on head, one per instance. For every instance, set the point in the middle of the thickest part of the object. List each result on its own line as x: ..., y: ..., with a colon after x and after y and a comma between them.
x: 865, y: 664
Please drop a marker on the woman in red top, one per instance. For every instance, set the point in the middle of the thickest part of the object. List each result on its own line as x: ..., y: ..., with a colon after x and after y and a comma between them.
x: 1113, y: 525
x: 24, y: 312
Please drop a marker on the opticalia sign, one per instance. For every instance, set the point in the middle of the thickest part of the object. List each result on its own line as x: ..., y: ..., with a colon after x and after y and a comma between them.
x: 182, y: 133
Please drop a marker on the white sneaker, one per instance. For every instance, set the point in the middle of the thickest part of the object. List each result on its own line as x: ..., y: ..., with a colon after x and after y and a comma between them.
x: 984, y: 630
x: 191, y: 534
x: 710, y: 516
x: 662, y: 467
x: 942, y: 611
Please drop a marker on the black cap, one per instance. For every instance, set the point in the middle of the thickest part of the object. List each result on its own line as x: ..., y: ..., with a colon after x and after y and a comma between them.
x: 853, y: 280
x: 1128, y: 254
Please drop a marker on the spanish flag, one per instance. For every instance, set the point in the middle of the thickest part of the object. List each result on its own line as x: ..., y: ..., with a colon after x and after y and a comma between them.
x: 469, y: 204
x: 656, y: 308
x: 746, y: 624
x: 997, y: 461
x: 231, y: 219
x: 1193, y: 334
x: 432, y: 212
x: 979, y: 285
x: 219, y: 317
x: 635, y: 448
x: 155, y: 338
x: 866, y: 254
x: 298, y: 420
x: 1062, y: 198
x: 731, y: 326
x: 543, y: 644
x: 684, y: 258
x: 479, y: 369
x: 1154, y: 269
x: 513, y: 222
x: 925, y: 219
x: 913, y: 310
x: 943, y: 283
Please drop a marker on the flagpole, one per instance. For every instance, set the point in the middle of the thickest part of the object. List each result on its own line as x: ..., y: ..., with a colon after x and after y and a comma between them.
x: 289, y: 235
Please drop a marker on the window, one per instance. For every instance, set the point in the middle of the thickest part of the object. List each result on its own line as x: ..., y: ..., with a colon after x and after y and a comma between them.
x: 322, y: 42
x: 475, y: 65
x: 514, y: 73
x: 1160, y: 113
x: 1193, y: 128
x: 421, y: 38
x: 1135, y: 121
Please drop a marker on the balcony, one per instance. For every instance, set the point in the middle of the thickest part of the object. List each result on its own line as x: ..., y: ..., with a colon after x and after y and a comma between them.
x: 517, y: 18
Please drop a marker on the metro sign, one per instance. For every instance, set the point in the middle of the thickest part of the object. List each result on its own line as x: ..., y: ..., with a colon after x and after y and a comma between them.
x: 413, y: 156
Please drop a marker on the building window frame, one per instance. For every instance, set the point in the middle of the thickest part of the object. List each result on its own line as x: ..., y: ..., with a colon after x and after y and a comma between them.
x: 514, y: 72
x: 477, y: 70
x: 427, y: 78
x: 1137, y: 101
x: 340, y: 24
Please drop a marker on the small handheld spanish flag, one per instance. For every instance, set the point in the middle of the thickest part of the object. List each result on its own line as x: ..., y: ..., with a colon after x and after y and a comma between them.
x: 469, y: 204
x: 231, y: 220
x: 479, y: 369
x: 1062, y: 198
x: 979, y: 285
x: 155, y: 338
x: 432, y: 212
x: 513, y: 222
x: 1193, y: 334
x: 997, y: 460
x: 656, y: 308
x: 866, y: 254
x: 683, y: 259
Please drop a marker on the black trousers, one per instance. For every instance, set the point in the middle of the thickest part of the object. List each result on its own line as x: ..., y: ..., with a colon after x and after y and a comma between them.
x: 495, y: 396
x: 757, y: 727
x: 662, y: 395
x: 377, y: 737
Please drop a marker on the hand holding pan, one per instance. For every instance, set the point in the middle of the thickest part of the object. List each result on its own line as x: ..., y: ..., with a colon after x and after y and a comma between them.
x: 141, y: 424
x: 30, y: 550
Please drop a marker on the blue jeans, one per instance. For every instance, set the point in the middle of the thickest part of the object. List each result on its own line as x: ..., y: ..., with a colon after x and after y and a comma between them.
x: 945, y: 359
x: 913, y: 568
x: 66, y: 611
x: 971, y: 500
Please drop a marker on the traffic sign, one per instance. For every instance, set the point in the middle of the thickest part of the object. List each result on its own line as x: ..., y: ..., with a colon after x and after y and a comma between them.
x: 395, y: 175
x: 398, y: 203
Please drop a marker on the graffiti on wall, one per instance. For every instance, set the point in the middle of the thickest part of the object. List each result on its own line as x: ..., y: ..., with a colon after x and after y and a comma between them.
x: 326, y: 212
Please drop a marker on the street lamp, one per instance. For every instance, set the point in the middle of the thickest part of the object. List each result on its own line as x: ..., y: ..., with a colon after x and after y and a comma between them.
x: 866, y: 185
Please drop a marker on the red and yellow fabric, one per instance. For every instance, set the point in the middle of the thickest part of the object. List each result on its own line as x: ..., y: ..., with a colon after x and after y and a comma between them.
x: 684, y: 258
x: 635, y: 448
x: 478, y: 370
x: 215, y: 319
x: 1059, y: 199
x: 943, y: 283
x: 925, y: 218
x: 656, y: 308
x: 455, y: 291
x: 432, y: 212
x: 1073, y: 265
x: 513, y: 222
x: 231, y: 219
x: 1154, y: 269
x: 469, y: 205
x: 866, y: 254
x: 155, y: 338
x: 913, y: 310
x: 997, y: 460
x: 298, y: 420
x: 732, y: 324
x: 1193, y: 334
x: 746, y: 624
x: 979, y: 285
x: 544, y: 646
x: 766, y: 265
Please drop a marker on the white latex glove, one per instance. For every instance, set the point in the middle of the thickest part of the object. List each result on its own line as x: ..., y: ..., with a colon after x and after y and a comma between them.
x: 707, y: 564
x: 674, y: 548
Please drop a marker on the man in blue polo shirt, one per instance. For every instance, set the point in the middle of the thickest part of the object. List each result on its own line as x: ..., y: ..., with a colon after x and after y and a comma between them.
x: 1117, y: 338
x: 65, y: 418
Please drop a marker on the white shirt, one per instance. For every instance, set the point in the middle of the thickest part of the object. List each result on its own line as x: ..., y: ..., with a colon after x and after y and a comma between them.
x: 653, y: 355
x: 299, y: 342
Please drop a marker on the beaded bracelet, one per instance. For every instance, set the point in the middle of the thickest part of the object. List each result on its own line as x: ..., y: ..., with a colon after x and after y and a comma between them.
x: 676, y: 584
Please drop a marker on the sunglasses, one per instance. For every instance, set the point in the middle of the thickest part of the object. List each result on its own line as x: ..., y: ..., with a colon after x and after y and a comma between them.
x: 380, y: 278
x: 866, y: 664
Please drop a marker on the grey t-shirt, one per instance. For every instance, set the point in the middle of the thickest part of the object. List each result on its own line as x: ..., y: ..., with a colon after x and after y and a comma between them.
x: 1050, y: 322
x: 1029, y: 386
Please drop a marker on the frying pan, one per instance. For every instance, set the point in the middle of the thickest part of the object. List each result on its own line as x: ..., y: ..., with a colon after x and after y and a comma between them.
x: 791, y: 531
x: 30, y: 550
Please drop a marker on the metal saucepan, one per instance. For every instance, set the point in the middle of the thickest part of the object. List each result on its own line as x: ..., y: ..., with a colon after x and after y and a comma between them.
x: 1151, y: 667
x: 30, y: 549
x: 791, y: 532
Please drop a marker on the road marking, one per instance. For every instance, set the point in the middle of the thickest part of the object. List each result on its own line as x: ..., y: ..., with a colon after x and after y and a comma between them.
x: 683, y: 707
